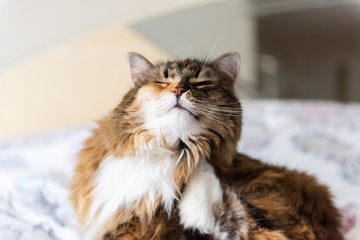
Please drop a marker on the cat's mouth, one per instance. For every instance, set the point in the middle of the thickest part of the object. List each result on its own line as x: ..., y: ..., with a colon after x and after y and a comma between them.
x: 179, y: 107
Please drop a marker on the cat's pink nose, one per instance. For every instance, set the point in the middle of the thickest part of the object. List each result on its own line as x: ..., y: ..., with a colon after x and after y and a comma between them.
x: 177, y: 90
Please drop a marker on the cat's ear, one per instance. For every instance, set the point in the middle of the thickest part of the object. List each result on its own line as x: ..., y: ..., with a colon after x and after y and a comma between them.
x: 229, y: 64
x: 138, y: 66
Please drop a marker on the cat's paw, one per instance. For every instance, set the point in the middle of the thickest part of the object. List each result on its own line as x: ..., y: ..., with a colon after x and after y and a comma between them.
x: 210, y: 210
x: 231, y: 218
x: 203, y: 190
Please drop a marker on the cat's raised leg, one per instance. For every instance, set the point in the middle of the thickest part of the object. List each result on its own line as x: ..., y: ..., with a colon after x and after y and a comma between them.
x: 207, y: 211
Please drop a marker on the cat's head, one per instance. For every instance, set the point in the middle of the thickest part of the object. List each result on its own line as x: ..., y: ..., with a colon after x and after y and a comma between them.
x: 181, y: 103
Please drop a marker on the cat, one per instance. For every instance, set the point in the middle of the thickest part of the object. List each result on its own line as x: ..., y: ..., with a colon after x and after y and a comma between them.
x: 163, y: 165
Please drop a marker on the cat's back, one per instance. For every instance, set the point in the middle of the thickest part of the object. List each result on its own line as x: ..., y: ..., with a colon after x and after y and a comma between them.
x: 279, y: 198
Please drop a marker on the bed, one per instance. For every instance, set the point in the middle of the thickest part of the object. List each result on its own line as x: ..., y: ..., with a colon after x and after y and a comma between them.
x: 322, y: 138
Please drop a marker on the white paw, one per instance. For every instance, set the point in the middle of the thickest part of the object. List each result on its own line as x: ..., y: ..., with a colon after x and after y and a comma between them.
x: 199, y: 197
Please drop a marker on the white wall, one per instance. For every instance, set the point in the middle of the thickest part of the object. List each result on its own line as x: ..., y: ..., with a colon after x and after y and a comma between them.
x: 28, y: 27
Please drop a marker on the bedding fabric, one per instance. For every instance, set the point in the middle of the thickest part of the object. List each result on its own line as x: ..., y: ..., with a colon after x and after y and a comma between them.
x: 322, y: 138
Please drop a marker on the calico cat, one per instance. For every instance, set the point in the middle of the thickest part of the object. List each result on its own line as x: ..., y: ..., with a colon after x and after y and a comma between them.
x: 163, y: 165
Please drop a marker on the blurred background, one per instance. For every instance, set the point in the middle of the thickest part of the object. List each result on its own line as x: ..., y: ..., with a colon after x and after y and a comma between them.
x: 64, y: 62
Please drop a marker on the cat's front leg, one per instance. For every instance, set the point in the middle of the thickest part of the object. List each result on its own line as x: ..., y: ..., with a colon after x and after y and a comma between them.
x: 207, y: 211
x: 231, y: 217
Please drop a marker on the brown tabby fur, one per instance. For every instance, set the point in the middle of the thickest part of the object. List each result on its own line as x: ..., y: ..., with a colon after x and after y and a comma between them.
x: 287, y: 200
x: 260, y: 201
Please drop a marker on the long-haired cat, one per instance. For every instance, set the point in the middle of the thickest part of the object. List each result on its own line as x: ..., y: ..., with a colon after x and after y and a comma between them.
x: 163, y: 165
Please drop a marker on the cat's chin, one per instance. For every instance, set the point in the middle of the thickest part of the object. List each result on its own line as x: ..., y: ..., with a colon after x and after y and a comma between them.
x: 176, y: 124
x: 178, y: 110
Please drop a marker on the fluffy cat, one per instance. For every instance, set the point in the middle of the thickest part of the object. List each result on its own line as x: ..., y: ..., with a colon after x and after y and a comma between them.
x: 163, y: 165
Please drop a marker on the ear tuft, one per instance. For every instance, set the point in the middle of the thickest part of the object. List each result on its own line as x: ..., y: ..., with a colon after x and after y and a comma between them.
x: 229, y: 63
x: 138, y: 66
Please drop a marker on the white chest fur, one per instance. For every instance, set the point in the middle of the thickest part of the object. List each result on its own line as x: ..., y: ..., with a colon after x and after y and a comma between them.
x: 120, y: 182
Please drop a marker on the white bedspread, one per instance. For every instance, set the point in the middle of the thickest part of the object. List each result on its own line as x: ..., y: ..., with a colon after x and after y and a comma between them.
x: 322, y: 138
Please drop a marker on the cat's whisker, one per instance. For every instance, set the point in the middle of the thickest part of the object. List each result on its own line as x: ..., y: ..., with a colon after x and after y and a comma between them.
x: 123, y: 116
x: 231, y: 106
x: 211, y: 112
x: 125, y: 109
x: 180, y: 157
x: 125, y: 133
x: 215, y: 102
x: 224, y: 112
x: 219, y: 106
x: 124, y: 112
x: 210, y: 115
x: 188, y: 157
x: 234, y: 111
x: 212, y: 49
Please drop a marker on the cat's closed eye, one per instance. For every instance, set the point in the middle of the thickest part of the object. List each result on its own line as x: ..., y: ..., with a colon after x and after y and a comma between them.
x: 163, y: 84
x: 202, y: 84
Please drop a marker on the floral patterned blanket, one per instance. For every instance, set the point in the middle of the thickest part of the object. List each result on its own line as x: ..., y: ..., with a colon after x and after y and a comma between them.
x: 322, y: 138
